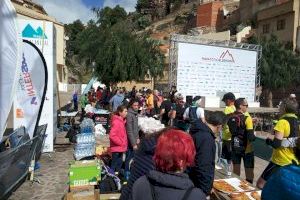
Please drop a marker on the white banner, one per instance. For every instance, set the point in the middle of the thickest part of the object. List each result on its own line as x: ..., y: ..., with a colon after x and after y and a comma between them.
x: 31, y: 87
x: 42, y: 34
x: 212, y: 71
x: 9, y: 46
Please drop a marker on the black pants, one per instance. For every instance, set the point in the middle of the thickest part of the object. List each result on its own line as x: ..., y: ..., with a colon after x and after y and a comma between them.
x: 117, y: 161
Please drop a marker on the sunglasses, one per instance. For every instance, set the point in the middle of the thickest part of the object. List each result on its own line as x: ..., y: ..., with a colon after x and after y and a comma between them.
x: 246, y: 105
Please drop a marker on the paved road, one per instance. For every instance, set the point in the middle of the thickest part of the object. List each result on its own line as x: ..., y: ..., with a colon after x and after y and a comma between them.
x: 54, y: 174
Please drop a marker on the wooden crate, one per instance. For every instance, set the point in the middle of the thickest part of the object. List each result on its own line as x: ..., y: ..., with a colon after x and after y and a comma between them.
x: 110, y: 196
x: 83, y: 195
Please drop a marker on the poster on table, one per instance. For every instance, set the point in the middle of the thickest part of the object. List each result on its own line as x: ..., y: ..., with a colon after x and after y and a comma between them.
x: 211, y: 70
x: 9, y: 55
x: 42, y: 34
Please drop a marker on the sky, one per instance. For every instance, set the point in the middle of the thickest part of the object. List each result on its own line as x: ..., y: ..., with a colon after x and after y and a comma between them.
x: 67, y: 11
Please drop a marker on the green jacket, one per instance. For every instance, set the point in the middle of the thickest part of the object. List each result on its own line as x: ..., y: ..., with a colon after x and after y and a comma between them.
x: 83, y: 101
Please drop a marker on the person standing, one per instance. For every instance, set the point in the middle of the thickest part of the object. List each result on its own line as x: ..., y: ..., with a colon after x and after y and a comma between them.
x: 172, y: 94
x: 75, y: 100
x: 287, y: 127
x: 83, y: 102
x: 133, y: 92
x: 242, y: 135
x: 118, y: 138
x: 228, y: 99
x: 194, y: 114
x: 90, y: 97
x: 157, y: 100
x: 165, y: 108
x: 174, y: 152
x: 132, y: 133
x: 117, y: 100
x: 202, y: 174
x: 99, y: 96
x: 287, y: 179
x: 177, y: 112
x: 149, y: 103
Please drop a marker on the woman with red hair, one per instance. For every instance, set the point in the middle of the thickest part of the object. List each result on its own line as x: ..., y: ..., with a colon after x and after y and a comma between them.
x: 175, y: 151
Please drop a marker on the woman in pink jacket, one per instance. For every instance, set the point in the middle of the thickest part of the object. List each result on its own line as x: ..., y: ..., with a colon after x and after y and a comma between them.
x: 118, y: 137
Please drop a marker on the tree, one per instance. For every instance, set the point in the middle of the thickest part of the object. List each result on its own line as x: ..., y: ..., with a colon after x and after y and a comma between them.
x: 144, y: 4
x: 280, y: 67
x: 124, y: 56
x: 119, y: 54
x: 72, y: 31
x: 107, y: 17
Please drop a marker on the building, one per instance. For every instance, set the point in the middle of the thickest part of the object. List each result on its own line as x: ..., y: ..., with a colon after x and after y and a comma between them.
x: 282, y: 20
x: 26, y: 9
x: 249, y: 8
x: 210, y: 15
x: 215, y: 16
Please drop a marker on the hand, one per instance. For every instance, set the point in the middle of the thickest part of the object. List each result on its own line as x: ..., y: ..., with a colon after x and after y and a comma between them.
x: 271, y: 137
x: 135, y: 147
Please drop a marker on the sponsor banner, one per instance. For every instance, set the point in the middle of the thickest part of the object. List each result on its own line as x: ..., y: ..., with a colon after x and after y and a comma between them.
x: 42, y: 34
x: 31, y: 88
x: 212, y: 71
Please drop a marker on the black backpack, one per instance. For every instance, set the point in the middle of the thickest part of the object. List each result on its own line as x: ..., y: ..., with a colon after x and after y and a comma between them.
x: 179, y: 112
x: 194, y: 121
x: 294, y: 126
x: 237, y: 128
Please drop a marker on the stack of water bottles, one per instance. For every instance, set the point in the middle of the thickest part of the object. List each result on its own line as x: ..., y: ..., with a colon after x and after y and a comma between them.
x: 85, y: 146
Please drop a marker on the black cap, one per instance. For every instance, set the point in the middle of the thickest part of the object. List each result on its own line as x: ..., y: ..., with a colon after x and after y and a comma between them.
x: 228, y: 96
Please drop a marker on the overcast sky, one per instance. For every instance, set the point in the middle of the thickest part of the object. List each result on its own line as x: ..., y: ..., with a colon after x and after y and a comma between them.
x: 67, y: 11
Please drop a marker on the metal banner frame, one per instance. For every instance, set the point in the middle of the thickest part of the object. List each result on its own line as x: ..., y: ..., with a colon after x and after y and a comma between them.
x: 173, y: 53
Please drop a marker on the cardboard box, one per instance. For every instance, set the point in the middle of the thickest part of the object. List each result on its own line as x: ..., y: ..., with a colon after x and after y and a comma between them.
x: 86, y: 172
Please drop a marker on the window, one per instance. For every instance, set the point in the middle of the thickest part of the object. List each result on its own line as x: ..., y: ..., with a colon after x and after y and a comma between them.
x: 280, y: 24
x: 266, y: 28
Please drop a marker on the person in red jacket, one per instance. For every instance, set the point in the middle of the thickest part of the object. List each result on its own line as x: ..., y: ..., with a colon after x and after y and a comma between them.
x: 118, y: 138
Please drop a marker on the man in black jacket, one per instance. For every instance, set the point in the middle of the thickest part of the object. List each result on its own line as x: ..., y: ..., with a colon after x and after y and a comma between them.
x: 202, y: 174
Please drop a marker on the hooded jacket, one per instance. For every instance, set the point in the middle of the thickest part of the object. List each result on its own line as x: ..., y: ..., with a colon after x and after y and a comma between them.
x: 284, y: 184
x: 116, y: 101
x: 202, y: 174
x: 132, y: 126
x: 166, y: 186
x: 143, y: 163
x: 117, y: 135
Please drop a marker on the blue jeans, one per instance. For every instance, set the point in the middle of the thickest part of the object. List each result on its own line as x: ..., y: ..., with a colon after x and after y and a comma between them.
x: 116, y: 162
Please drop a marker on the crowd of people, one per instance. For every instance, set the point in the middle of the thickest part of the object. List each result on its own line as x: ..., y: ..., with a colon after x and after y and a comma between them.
x: 179, y: 161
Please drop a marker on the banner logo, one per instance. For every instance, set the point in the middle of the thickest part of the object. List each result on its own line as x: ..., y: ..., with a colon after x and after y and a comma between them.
x: 29, y: 32
x: 26, y: 81
x: 37, y: 37
x: 226, y: 56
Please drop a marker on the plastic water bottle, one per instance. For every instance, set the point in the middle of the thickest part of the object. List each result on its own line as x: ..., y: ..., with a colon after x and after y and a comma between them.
x: 229, y: 169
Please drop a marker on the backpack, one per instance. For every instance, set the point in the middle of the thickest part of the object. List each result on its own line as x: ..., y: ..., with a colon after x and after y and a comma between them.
x: 109, y: 182
x: 179, y: 112
x: 294, y: 126
x: 237, y: 128
x: 193, y: 119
